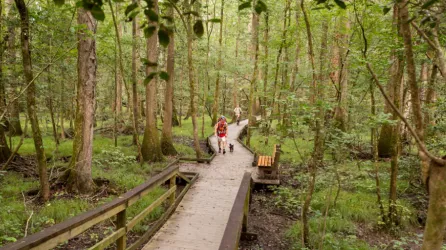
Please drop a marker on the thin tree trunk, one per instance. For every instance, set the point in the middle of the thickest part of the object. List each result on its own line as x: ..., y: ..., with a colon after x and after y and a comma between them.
x: 135, y: 53
x: 166, y: 138
x: 374, y: 145
x: 31, y: 99
x: 192, y: 85
x: 219, y: 67
x: 15, y: 127
x: 255, y: 54
x: 266, y: 64
x: 50, y: 101
x: 235, y: 84
x: 80, y: 179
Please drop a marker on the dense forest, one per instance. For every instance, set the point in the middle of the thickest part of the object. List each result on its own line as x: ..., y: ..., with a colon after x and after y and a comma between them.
x: 96, y: 97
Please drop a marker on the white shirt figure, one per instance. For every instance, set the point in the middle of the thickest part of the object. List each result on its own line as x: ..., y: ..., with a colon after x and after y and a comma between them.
x: 237, y: 111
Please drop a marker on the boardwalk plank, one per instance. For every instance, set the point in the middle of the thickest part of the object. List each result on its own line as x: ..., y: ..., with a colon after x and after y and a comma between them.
x: 200, y: 219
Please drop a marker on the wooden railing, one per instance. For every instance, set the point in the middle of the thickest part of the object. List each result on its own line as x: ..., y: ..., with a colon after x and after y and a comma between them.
x: 238, y: 218
x: 62, y: 232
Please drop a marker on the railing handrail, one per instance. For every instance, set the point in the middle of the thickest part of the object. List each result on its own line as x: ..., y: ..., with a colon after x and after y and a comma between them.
x: 237, y: 221
x: 129, y: 197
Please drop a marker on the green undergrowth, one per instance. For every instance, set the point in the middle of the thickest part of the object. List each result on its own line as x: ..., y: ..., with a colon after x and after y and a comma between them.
x: 116, y: 164
x: 351, y: 212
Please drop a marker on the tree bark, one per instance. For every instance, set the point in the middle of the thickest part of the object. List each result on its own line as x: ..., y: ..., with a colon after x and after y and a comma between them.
x: 31, y: 99
x: 151, y: 146
x: 80, y: 179
x: 266, y: 65
x: 166, y: 138
x: 430, y: 98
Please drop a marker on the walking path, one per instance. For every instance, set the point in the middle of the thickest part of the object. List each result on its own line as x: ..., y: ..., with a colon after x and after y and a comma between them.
x: 200, y: 219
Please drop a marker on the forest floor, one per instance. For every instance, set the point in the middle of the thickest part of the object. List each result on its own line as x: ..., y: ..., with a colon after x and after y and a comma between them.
x: 344, y: 212
x: 114, y: 168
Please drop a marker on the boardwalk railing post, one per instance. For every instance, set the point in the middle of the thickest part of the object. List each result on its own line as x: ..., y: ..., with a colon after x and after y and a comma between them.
x: 171, y: 185
x: 120, y: 223
x: 246, y: 210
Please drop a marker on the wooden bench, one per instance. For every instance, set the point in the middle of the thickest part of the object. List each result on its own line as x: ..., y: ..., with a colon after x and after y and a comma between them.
x: 268, y: 168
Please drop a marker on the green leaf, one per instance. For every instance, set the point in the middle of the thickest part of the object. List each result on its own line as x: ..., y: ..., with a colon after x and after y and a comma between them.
x: 132, y: 16
x: 192, y: 13
x: 97, y: 13
x: 428, y: 4
x: 163, y: 36
x: 59, y: 2
x: 321, y: 1
x: 164, y: 76
x: 341, y: 3
x: 130, y: 8
x: 198, y: 28
x: 150, y: 77
x: 168, y: 18
x: 151, y: 15
x: 215, y: 20
x: 260, y: 7
x: 148, y: 63
x: 244, y: 6
x: 386, y: 9
x: 148, y: 31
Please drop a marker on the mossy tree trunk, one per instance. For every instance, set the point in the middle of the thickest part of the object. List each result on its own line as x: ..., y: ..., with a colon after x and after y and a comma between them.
x: 166, y: 138
x: 5, y: 152
x: 31, y: 99
x: 151, y: 146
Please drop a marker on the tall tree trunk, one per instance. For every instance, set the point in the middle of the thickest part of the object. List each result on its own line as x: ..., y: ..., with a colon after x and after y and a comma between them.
x: 319, y: 138
x: 266, y: 64
x: 31, y: 99
x: 166, y: 138
x: 151, y: 146
x: 235, y: 89
x: 51, y: 99
x: 5, y: 152
x: 135, y: 54
x: 255, y: 56
x: 80, y: 179
x: 15, y: 127
x: 62, y: 106
x: 297, y: 53
x: 219, y: 67
x: 192, y: 85
x: 118, y: 79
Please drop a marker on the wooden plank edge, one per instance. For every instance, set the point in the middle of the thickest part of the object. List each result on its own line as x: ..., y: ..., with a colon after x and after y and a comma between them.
x: 144, y: 238
x: 231, y: 237
x: 109, y: 239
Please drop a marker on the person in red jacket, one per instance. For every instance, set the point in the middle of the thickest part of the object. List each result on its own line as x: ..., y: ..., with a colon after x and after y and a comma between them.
x: 221, y: 132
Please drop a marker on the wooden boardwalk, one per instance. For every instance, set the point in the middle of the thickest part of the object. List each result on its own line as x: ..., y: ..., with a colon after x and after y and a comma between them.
x: 200, y: 219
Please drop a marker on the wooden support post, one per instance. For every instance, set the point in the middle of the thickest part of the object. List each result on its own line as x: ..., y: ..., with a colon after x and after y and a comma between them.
x: 171, y: 185
x: 120, y: 223
x: 246, y: 211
